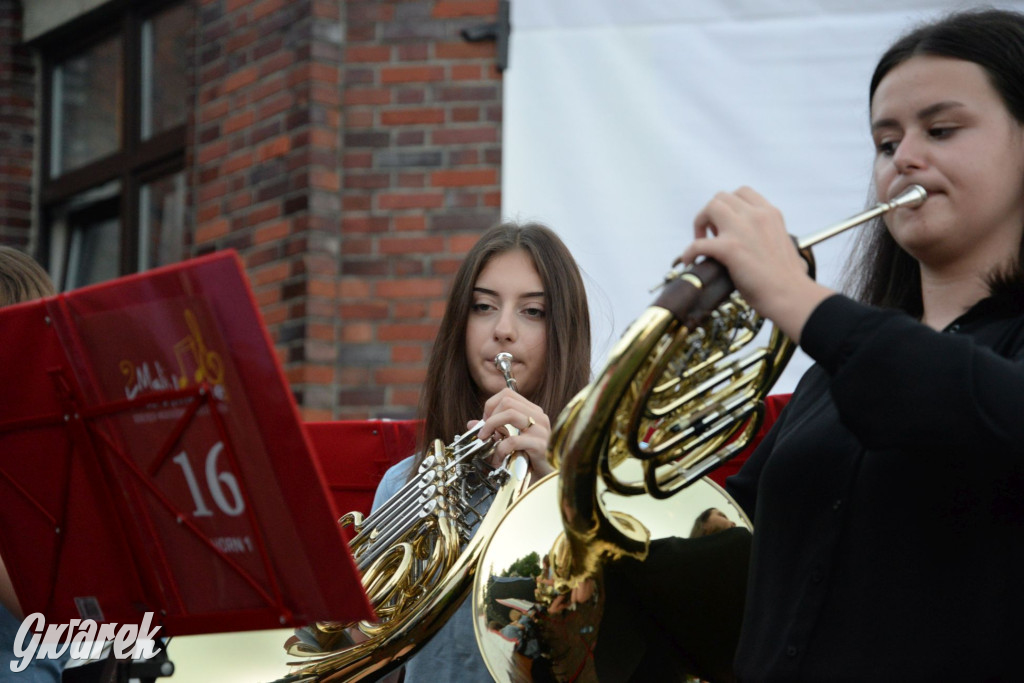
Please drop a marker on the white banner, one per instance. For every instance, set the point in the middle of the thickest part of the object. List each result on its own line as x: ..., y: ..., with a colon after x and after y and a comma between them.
x: 622, y: 119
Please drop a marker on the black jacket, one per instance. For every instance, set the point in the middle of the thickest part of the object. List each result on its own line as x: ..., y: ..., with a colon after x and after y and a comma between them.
x: 888, y: 504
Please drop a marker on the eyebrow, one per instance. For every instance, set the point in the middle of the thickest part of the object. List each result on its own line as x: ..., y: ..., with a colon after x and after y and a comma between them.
x: 527, y: 295
x: 929, y: 111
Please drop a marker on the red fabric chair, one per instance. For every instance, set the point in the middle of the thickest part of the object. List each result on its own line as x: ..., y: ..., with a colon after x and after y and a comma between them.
x: 773, y: 405
x: 354, y: 455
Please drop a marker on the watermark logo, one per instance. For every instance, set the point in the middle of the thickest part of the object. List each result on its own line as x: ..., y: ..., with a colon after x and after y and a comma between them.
x: 82, y: 639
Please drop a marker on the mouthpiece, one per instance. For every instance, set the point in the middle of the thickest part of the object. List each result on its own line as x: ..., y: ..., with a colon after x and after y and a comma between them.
x: 504, y: 362
x: 910, y: 198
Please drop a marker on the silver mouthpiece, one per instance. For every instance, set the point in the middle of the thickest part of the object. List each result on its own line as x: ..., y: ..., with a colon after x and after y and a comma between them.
x: 911, y: 198
x: 504, y: 362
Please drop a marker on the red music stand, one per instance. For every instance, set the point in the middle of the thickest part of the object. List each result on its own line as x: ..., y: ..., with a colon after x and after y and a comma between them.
x: 152, y: 460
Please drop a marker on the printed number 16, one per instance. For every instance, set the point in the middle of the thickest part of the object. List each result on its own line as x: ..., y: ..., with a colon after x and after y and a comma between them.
x: 216, y: 482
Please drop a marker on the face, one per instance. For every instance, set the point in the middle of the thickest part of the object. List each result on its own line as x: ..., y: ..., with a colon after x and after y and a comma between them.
x: 508, y: 314
x: 717, y: 521
x: 939, y: 122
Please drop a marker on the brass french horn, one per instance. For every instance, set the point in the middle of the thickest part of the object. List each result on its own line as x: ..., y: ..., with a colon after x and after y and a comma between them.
x: 417, y: 554
x: 609, y: 594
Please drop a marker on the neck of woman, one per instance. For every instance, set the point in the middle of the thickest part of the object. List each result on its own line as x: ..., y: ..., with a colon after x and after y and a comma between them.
x: 945, y: 297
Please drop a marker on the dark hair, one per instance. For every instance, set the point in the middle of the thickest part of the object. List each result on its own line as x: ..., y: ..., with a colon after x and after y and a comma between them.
x: 697, y: 530
x: 880, y: 272
x: 21, y: 278
x: 449, y: 397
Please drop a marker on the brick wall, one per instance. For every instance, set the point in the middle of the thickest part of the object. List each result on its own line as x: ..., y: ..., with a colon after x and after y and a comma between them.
x: 348, y: 149
x: 351, y: 152
x: 420, y: 180
x: 17, y: 129
x: 265, y: 164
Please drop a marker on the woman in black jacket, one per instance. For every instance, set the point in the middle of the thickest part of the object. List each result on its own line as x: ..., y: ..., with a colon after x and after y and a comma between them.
x: 888, y: 500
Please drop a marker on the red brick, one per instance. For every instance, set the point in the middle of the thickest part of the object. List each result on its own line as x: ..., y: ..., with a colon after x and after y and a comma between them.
x: 406, y: 354
x: 208, y: 232
x: 460, y: 244
x: 396, y: 375
x: 405, y: 397
x: 404, y: 117
x: 237, y: 122
x: 410, y: 310
x: 406, y: 332
x: 353, y: 376
x: 322, y: 287
x: 239, y: 79
x: 271, y: 232
x: 237, y: 162
x: 415, y: 288
x: 325, y: 180
x: 360, y: 224
x: 315, y: 414
x: 272, y: 273
x: 412, y: 180
x: 274, y: 315
x: 368, y: 96
x: 215, y: 150
x: 411, y: 245
x: 261, y: 9
x: 361, y: 117
x: 411, y: 74
x: 367, y: 53
x: 417, y: 200
x: 360, y: 202
x: 464, y: 178
x: 465, y: 8
x: 274, y: 148
x: 465, y: 114
x: 363, y: 311
x: 464, y: 50
x: 466, y: 72
x: 462, y: 136
x: 356, y: 332
x: 353, y: 288
x: 412, y: 223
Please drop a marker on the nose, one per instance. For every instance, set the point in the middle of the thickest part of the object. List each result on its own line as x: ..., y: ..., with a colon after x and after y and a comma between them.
x: 505, y: 326
x: 909, y: 155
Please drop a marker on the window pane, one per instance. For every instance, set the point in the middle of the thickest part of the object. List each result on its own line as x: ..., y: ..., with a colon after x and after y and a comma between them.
x: 162, y: 222
x: 85, y: 237
x: 164, y: 50
x: 95, y: 247
x: 87, y: 104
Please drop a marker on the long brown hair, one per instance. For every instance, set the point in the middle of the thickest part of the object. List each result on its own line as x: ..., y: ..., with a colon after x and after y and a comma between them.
x: 449, y: 397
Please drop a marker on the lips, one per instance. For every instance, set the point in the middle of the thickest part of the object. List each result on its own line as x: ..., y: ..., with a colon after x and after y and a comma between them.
x: 903, y: 186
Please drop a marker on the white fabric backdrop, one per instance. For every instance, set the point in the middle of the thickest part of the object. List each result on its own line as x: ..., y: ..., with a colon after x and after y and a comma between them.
x: 623, y: 118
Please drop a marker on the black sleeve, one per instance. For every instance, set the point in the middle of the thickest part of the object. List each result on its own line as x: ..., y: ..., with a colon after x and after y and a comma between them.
x: 899, y: 384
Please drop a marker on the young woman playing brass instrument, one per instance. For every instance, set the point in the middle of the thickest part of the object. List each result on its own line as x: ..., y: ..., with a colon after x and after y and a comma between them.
x: 888, y: 499
x: 517, y: 291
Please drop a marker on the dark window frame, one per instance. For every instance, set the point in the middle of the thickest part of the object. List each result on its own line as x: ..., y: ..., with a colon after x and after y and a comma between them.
x: 138, y: 161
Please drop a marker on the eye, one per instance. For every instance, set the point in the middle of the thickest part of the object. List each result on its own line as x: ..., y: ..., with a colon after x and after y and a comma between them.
x: 886, y: 147
x: 481, y: 307
x: 533, y: 312
x: 941, y: 132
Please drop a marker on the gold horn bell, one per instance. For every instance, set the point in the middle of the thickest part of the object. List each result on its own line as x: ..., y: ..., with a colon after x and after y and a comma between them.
x: 417, y: 554
x: 603, y: 595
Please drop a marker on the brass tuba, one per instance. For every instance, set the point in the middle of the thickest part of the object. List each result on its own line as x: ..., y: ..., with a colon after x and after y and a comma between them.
x: 417, y: 554
x: 608, y: 596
